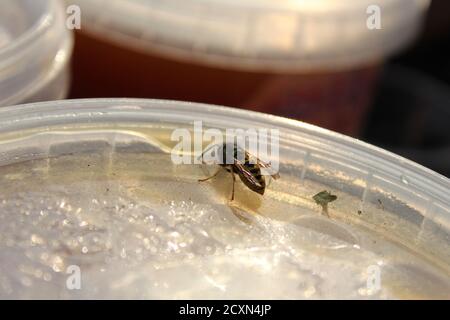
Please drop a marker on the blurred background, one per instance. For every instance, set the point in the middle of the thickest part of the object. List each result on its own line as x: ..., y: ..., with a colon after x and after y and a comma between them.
x: 315, y: 61
x: 410, y: 114
x: 408, y: 98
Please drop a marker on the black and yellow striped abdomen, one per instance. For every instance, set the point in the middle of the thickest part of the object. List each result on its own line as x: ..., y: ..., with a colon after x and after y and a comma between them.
x: 256, y: 173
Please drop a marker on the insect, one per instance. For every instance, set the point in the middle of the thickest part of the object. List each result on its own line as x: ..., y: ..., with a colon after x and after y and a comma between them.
x: 245, y: 165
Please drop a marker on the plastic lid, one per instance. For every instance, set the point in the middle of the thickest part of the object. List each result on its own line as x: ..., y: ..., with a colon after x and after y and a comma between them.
x: 259, y: 34
x: 397, y: 199
x: 35, y: 46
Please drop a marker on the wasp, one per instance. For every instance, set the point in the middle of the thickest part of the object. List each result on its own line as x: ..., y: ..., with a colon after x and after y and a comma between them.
x: 242, y: 163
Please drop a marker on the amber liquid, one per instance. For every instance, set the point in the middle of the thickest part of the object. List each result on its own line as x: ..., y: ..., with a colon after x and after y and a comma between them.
x: 334, y: 100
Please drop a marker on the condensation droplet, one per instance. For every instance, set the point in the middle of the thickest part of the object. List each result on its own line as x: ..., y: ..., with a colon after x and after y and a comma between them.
x: 404, y: 179
x: 35, y: 239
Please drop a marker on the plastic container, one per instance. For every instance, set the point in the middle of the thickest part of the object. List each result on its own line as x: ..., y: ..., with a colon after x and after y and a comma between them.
x: 89, y: 184
x: 316, y: 61
x: 35, y: 50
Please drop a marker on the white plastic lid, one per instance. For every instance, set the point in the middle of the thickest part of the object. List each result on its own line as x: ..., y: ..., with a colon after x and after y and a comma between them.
x: 35, y: 46
x: 259, y: 34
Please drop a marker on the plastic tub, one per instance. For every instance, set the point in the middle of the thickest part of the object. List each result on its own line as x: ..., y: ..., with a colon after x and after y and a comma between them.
x: 316, y: 61
x: 35, y: 50
x: 89, y: 184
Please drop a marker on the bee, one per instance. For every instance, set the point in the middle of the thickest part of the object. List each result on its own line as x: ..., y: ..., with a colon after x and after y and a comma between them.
x: 248, y: 168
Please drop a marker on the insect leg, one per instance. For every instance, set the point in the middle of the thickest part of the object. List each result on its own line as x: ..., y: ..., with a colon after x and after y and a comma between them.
x: 234, y: 181
x: 215, y: 174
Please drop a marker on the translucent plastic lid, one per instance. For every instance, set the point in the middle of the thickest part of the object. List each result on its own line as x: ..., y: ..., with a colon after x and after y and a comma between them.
x: 90, y: 183
x: 35, y: 46
x: 262, y: 35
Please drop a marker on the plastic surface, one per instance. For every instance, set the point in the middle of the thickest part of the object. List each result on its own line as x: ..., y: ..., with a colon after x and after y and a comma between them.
x: 35, y: 48
x: 261, y: 35
x: 139, y: 227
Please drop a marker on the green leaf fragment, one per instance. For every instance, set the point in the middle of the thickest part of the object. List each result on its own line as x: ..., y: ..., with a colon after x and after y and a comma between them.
x: 324, y: 197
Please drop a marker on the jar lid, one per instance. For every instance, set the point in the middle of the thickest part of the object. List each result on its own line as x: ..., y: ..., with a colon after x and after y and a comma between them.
x: 35, y: 46
x: 272, y: 35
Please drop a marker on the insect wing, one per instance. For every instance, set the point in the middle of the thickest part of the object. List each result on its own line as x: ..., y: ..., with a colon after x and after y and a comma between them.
x: 268, y: 168
x: 247, y: 174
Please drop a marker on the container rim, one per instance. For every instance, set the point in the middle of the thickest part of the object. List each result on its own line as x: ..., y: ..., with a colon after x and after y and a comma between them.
x: 199, y: 32
x: 34, y: 32
x: 31, y: 115
x: 33, y: 58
